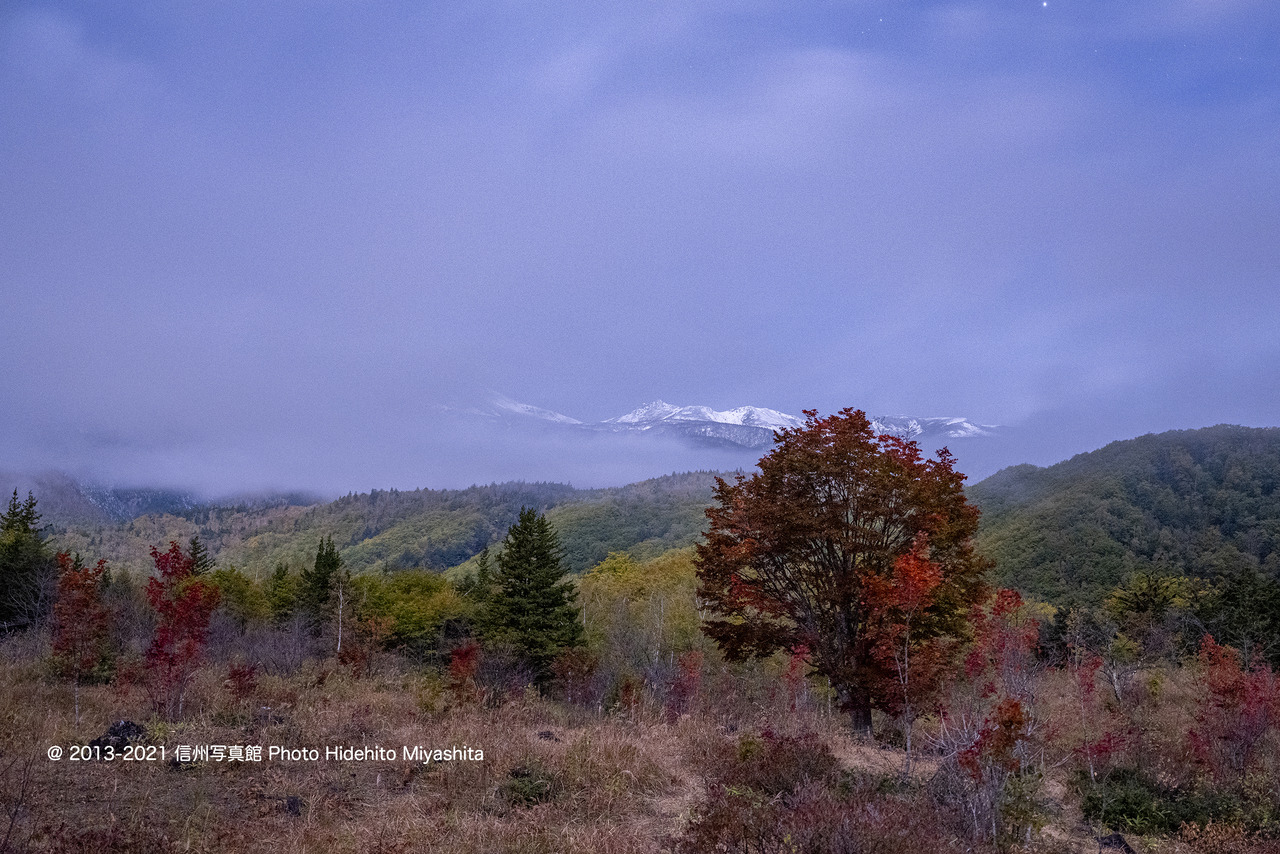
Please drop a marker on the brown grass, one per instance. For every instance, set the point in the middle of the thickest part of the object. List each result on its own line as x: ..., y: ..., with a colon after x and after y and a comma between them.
x: 623, y: 783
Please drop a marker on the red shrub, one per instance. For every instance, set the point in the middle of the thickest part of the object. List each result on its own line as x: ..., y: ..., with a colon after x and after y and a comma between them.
x: 183, y: 604
x: 1238, y: 709
x: 81, y: 624
x: 464, y: 663
x: 684, y: 688
x: 576, y: 676
x: 241, y: 681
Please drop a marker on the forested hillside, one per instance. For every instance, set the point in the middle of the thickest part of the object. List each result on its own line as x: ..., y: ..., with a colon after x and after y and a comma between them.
x: 424, y: 528
x: 1202, y: 503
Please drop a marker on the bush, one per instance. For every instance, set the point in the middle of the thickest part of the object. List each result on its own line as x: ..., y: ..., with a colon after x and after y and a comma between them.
x: 1129, y: 801
x: 816, y: 819
x: 772, y: 764
x: 531, y: 783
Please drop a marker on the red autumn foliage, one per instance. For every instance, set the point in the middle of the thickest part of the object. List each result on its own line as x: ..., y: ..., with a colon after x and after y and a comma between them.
x: 685, y: 687
x: 630, y: 692
x: 1104, y: 737
x: 81, y: 622
x: 1239, y: 707
x: 241, y: 681
x: 997, y: 745
x: 464, y: 664
x: 793, y: 678
x: 576, y: 674
x: 367, y: 636
x: 183, y: 604
x: 914, y: 664
x: 792, y: 552
x: 1005, y: 640
x: 991, y: 726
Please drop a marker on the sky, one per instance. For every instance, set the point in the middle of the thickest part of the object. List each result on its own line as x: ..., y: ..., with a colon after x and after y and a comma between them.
x: 248, y: 245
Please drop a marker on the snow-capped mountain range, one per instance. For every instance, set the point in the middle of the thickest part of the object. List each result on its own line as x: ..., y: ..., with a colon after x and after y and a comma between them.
x: 745, y: 426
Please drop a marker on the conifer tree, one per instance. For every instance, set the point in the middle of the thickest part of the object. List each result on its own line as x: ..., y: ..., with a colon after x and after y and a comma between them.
x: 531, y: 605
x: 200, y: 560
x: 282, y: 593
x: 27, y: 569
x: 317, y: 583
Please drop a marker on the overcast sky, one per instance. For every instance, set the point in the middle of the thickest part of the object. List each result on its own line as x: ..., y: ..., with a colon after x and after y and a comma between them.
x: 256, y: 244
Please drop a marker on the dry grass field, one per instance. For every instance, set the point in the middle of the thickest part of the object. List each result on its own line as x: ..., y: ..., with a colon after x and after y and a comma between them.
x: 554, y: 777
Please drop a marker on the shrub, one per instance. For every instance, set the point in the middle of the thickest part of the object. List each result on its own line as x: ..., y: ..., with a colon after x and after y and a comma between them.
x: 531, y: 783
x: 1129, y: 801
x: 772, y: 764
x: 684, y: 687
x: 816, y: 819
x: 1238, y: 710
x: 81, y: 625
x: 576, y: 677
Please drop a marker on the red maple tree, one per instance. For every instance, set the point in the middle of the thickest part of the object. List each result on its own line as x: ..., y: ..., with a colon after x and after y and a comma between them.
x: 183, y: 603
x: 81, y: 623
x: 793, y: 553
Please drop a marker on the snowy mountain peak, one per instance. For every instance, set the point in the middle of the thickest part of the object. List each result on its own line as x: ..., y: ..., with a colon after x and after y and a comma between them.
x: 514, y: 406
x: 658, y: 410
x: 745, y: 416
x: 752, y: 427
x: 910, y: 427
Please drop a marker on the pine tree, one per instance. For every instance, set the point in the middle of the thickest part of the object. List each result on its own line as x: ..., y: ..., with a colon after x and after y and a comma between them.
x: 317, y: 583
x: 27, y: 569
x: 200, y: 560
x: 282, y: 593
x: 531, y: 605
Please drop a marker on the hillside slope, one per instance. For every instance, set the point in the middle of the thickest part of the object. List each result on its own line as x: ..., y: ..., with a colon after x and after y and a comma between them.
x: 1198, y: 502
x: 433, y: 529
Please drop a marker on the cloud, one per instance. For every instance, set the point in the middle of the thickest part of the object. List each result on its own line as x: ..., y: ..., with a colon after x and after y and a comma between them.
x: 299, y: 228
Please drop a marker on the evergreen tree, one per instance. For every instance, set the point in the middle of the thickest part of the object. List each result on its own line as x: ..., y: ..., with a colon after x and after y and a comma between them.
x: 531, y: 605
x: 27, y: 569
x: 282, y: 593
x: 478, y: 586
x: 200, y: 560
x: 318, y: 582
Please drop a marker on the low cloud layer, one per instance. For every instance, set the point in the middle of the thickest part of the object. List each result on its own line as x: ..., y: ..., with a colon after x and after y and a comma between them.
x: 262, y: 247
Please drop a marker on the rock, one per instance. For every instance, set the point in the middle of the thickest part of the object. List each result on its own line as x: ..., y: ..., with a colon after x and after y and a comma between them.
x: 119, y: 736
x: 1115, y: 842
x: 263, y: 716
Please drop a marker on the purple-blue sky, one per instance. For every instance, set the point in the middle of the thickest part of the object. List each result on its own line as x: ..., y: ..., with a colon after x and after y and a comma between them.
x: 250, y: 245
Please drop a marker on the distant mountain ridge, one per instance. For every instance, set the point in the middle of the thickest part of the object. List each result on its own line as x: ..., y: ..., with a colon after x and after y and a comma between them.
x: 749, y: 427
x: 66, y: 501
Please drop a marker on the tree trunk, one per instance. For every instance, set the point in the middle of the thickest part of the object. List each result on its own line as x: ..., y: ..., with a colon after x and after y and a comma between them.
x: 856, y: 702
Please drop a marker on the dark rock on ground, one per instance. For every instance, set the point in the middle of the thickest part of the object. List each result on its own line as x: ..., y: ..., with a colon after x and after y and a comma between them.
x: 1115, y: 842
x: 119, y: 736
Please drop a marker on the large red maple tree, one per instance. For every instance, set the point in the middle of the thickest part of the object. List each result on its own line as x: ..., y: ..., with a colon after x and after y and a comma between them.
x: 801, y: 553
